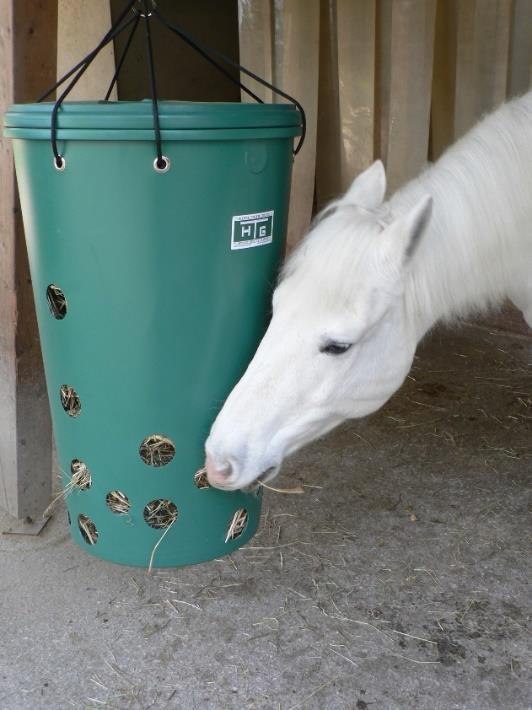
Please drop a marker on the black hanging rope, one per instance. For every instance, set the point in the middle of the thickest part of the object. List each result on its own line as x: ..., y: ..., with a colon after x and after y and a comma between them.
x: 204, y: 50
x: 146, y: 10
x: 58, y: 159
x: 122, y: 58
x: 160, y: 163
x: 106, y: 39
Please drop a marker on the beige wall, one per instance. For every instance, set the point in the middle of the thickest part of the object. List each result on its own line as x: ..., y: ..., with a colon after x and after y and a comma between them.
x: 395, y: 79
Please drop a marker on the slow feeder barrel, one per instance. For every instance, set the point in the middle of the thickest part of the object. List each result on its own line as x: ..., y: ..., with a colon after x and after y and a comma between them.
x: 152, y: 291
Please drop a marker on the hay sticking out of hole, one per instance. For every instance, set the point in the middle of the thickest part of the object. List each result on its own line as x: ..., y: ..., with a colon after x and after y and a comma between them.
x: 200, y: 479
x: 81, y: 476
x: 237, y: 525
x: 118, y: 502
x: 70, y: 400
x: 152, y: 556
x: 157, y: 450
x: 298, y: 490
x: 81, y: 480
x: 88, y: 529
x: 56, y: 301
x: 160, y: 513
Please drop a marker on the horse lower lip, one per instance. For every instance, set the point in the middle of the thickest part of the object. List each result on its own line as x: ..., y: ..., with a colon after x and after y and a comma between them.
x: 267, y: 474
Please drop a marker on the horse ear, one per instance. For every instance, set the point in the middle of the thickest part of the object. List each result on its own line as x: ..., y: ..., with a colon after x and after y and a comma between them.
x: 401, y: 239
x: 368, y: 189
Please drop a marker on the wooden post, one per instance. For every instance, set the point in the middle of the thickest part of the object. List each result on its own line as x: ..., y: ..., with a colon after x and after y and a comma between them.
x: 27, y: 58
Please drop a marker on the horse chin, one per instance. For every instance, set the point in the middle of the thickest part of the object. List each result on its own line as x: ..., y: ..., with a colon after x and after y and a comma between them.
x: 268, y: 475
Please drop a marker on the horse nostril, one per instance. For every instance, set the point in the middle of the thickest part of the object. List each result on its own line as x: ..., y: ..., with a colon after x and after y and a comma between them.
x: 214, y: 474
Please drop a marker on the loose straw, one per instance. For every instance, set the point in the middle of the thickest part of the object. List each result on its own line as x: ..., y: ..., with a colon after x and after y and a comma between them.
x: 152, y: 556
x: 298, y: 490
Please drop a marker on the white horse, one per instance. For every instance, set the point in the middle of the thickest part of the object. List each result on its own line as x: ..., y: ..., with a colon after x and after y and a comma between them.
x: 369, y: 280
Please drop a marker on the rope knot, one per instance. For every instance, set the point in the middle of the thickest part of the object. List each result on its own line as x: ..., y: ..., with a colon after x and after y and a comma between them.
x: 144, y: 8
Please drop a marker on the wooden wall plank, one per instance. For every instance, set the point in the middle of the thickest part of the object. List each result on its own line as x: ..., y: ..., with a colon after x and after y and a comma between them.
x: 328, y: 141
x: 256, y: 40
x: 443, y: 78
x: 520, y: 60
x: 483, y: 42
x: 72, y: 45
x: 28, y: 61
x: 296, y: 70
x: 280, y: 41
x: 404, y: 62
x: 356, y: 77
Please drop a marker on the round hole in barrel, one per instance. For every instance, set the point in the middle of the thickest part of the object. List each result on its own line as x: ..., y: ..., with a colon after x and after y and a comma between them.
x: 160, y: 513
x: 200, y: 479
x: 87, y: 529
x: 118, y: 502
x: 81, y: 476
x: 70, y: 400
x: 157, y: 450
x: 237, y: 524
x: 56, y: 301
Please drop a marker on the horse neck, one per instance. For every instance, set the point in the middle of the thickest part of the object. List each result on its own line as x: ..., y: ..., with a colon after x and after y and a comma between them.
x: 434, y: 277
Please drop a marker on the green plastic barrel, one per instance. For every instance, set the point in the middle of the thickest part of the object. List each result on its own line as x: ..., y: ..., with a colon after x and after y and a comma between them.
x: 152, y: 292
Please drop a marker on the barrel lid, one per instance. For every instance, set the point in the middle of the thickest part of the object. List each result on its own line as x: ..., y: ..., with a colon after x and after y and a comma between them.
x: 173, y: 115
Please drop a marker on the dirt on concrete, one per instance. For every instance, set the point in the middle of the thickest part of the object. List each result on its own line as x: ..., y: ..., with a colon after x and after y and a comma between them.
x: 401, y: 579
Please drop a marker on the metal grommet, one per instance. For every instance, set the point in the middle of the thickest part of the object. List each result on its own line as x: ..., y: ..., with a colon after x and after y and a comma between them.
x: 59, y: 163
x: 165, y: 168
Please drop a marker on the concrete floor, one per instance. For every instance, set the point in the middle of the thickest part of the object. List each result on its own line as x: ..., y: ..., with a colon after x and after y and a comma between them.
x: 399, y: 580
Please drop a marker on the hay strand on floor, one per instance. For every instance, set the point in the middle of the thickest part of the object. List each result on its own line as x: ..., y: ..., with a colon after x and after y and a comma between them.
x: 298, y: 490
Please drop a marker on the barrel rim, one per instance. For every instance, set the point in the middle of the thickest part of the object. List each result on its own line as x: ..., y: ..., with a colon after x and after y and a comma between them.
x: 138, y: 115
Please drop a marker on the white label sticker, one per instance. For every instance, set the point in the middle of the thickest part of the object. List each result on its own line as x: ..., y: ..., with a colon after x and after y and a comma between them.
x: 252, y: 230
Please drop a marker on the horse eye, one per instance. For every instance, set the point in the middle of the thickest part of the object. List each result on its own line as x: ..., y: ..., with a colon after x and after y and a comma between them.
x: 335, y: 348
